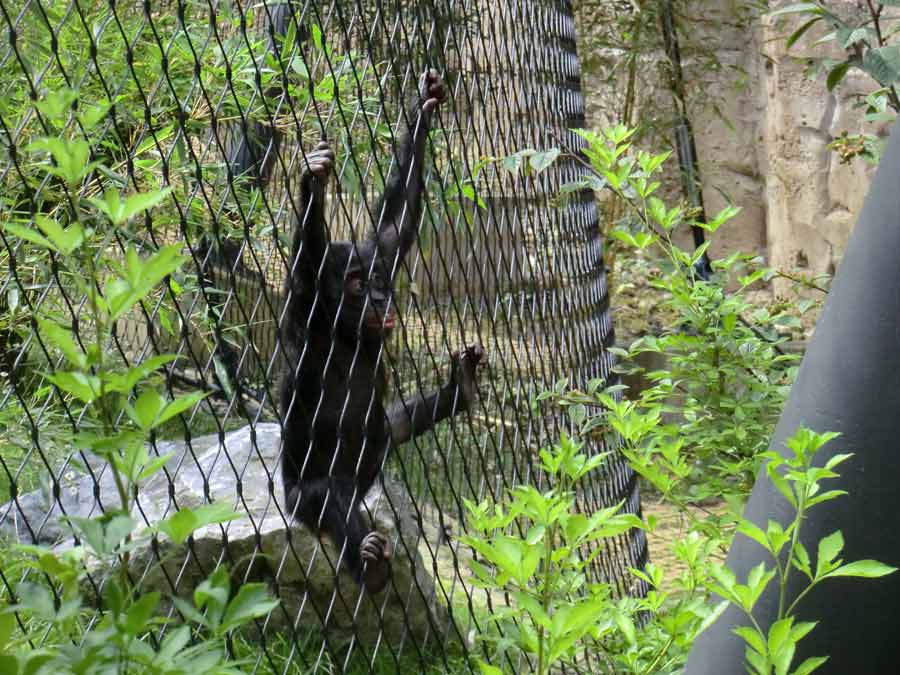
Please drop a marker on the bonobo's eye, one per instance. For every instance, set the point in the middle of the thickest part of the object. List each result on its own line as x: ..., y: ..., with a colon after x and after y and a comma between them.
x: 355, y: 284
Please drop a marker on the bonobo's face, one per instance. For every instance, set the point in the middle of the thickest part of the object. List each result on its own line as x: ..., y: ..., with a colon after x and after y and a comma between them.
x: 365, y: 297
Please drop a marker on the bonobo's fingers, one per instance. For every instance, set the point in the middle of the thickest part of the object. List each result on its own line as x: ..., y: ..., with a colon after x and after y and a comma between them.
x: 474, y: 355
x: 432, y: 90
x: 465, y: 372
x: 376, y: 552
x: 320, y: 161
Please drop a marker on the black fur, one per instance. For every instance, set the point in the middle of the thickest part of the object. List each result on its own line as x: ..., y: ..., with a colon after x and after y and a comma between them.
x: 339, y: 311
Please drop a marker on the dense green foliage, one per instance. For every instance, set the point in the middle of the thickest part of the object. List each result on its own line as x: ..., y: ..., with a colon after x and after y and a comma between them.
x: 120, y: 406
x: 699, y: 430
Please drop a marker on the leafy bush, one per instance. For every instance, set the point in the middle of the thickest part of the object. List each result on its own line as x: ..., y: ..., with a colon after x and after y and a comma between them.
x: 536, y: 547
x: 119, y: 406
x: 700, y: 429
x: 867, y: 36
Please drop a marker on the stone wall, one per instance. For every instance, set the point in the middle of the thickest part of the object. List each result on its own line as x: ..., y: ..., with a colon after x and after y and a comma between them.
x: 770, y: 157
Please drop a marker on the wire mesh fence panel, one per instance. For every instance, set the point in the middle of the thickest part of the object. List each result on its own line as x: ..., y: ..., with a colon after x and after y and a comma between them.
x: 218, y: 109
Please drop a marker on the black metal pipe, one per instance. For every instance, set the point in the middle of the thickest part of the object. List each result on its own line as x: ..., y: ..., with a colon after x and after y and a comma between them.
x: 685, y: 145
x: 849, y: 382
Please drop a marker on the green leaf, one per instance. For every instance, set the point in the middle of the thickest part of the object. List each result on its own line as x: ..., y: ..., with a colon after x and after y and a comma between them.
x: 712, y: 617
x: 627, y: 627
x: 212, y: 594
x: 810, y: 665
x: 64, y: 340
x: 780, y: 483
x: 66, y: 240
x: 801, y: 630
x: 317, y: 36
x: 9, y: 664
x: 182, y: 524
x: 488, y: 669
x: 36, y: 600
x: 799, y: 8
x: 70, y: 156
x: 829, y: 548
x: 28, y: 234
x: 825, y: 497
x: 116, y: 531
x: 797, y: 34
x: 90, y: 531
x: 81, y: 386
x: 883, y: 64
x: 174, y: 641
x: 866, y: 569
x: 142, y: 277
x: 251, y: 602
x: 779, y: 632
x: 854, y: 36
x: 153, y: 466
x: 836, y: 74
x: 139, y: 614
x: 188, y: 611
x: 752, y: 638
x: 837, y: 459
x: 151, y: 141
x: 147, y: 408
x: 776, y: 536
x: 93, y: 115
x: 541, y: 160
x: 801, y: 560
x: 142, y: 201
x: 750, y: 530
x: 57, y: 104
x: 513, y: 163
x: 125, y: 382
x: 757, y: 582
x: 7, y: 626
x: 530, y: 604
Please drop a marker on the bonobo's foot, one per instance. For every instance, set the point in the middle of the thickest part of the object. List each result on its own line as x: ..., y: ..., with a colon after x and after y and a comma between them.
x: 464, y: 373
x: 376, y: 552
x: 319, y: 163
x: 432, y: 91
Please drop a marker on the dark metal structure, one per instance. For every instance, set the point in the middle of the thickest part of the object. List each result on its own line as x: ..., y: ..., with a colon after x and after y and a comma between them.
x: 849, y: 382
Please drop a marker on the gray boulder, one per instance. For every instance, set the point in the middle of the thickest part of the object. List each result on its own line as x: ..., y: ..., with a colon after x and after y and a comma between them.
x: 242, y: 471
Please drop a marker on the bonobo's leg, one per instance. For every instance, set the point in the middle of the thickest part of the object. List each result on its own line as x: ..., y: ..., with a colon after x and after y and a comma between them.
x: 328, y: 505
x: 417, y: 414
x: 397, y: 212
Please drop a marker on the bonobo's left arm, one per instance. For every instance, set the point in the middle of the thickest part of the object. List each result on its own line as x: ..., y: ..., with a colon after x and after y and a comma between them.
x: 417, y: 414
x: 397, y: 212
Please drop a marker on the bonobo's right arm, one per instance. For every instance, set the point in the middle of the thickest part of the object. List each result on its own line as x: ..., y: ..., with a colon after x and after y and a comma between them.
x: 417, y: 414
x: 310, y: 240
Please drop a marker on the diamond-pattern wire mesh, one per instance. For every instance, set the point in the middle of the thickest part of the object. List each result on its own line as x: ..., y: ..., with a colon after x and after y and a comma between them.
x: 219, y: 100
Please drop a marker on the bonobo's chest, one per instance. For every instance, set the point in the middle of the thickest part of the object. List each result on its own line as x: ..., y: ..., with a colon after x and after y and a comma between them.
x: 353, y: 389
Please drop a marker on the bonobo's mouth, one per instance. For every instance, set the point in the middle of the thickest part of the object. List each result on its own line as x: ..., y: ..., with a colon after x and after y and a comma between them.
x: 386, y: 323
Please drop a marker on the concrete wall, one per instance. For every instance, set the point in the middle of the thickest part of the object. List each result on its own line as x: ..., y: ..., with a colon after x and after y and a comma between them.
x: 770, y: 157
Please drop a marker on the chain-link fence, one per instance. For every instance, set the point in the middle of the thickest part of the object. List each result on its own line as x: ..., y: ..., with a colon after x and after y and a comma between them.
x: 219, y: 101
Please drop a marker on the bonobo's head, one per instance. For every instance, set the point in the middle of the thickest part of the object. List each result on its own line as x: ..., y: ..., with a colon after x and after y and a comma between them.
x: 359, y: 288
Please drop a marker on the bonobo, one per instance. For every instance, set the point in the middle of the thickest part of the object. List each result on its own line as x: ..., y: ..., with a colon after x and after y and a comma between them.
x: 339, y: 311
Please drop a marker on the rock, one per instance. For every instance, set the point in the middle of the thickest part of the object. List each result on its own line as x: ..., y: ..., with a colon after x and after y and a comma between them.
x: 242, y: 471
